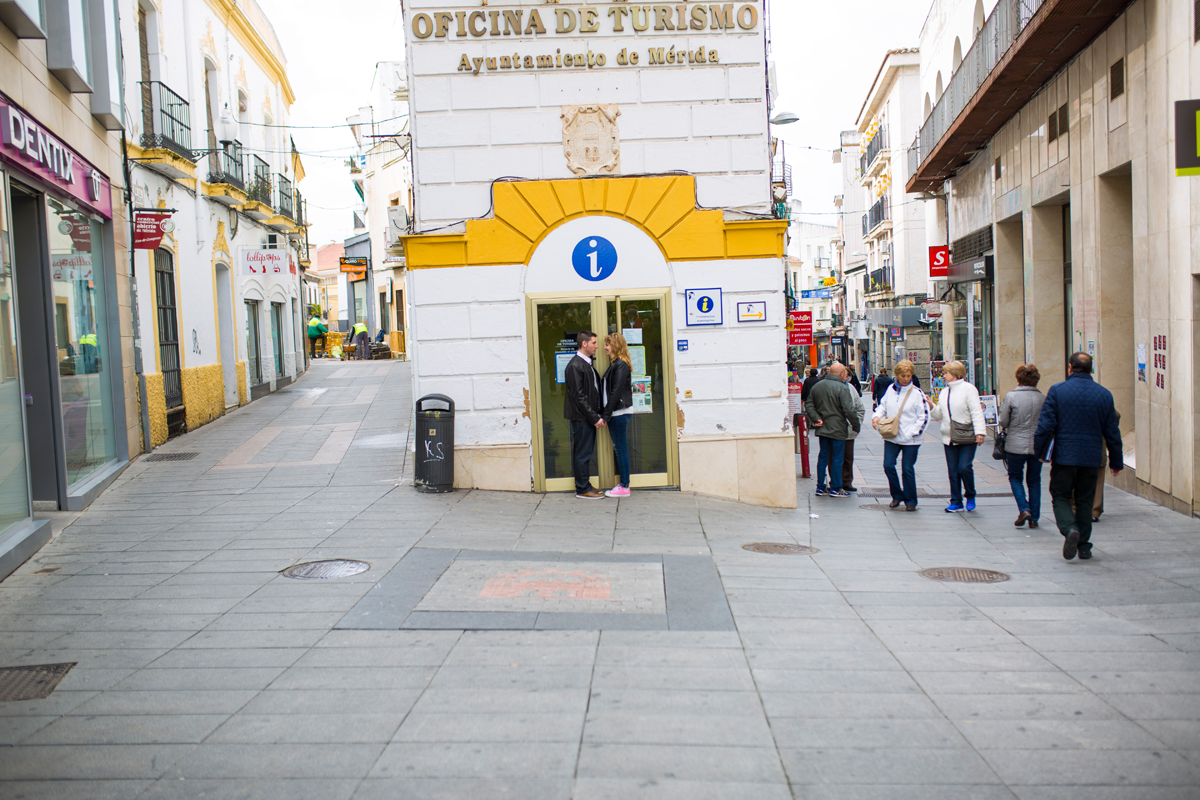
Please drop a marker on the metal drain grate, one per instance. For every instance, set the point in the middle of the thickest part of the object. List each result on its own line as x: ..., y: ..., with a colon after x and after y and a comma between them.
x: 780, y: 549
x: 964, y: 575
x: 333, y: 568
x: 31, y: 683
x: 883, y: 491
x: 171, y: 456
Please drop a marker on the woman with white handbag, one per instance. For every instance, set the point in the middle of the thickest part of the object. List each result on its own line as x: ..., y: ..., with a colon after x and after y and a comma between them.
x: 900, y: 417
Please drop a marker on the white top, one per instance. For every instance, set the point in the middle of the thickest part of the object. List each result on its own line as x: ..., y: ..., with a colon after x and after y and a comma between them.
x: 913, y: 419
x: 964, y: 405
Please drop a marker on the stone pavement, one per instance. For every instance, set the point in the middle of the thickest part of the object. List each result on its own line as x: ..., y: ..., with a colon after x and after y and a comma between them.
x: 201, y: 671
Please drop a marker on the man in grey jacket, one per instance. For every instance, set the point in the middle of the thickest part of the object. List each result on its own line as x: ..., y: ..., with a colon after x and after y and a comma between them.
x: 832, y: 414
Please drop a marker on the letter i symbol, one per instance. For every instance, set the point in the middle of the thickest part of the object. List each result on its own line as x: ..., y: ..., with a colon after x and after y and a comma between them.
x: 593, y: 257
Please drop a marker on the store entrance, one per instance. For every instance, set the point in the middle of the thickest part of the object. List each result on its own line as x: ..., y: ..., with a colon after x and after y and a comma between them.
x: 643, y: 319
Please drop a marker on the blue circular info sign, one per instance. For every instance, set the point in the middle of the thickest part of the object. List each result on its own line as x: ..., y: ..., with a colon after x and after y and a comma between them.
x: 594, y: 258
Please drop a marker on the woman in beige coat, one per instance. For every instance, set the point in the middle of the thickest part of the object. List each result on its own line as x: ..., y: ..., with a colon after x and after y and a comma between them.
x: 959, y: 403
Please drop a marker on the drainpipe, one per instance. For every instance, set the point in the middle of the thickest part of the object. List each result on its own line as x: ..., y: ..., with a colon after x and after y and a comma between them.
x: 133, y: 302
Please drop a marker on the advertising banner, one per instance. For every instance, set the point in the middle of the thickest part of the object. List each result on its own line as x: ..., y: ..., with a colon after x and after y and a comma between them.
x: 939, y: 261
x: 149, y: 229
x: 800, y: 330
x: 264, y: 262
x: 71, y: 267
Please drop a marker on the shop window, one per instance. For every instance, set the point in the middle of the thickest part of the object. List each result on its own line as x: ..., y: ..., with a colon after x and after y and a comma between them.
x: 277, y: 336
x: 252, y: 345
x: 14, y: 487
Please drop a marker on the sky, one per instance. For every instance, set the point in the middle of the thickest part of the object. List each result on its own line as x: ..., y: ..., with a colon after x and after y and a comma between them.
x: 826, y: 56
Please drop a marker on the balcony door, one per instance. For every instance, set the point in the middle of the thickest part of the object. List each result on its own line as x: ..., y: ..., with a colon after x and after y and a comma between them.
x: 644, y: 320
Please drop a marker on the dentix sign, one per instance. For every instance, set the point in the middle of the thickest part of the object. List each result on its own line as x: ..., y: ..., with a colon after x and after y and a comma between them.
x: 553, y: 34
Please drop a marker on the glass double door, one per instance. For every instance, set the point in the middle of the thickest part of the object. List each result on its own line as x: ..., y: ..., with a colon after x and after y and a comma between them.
x: 643, y: 320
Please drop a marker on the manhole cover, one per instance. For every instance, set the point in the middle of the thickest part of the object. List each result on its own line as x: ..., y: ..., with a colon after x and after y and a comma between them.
x: 31, y: 683
x: 171, y: 456
x: 964, y: 575
x: 334, y: 568
x: 780, y: 549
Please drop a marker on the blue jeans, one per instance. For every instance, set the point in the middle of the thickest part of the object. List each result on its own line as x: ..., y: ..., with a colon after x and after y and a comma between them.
x: 833, y: 452
x: 960, y: 463
x: 1025, y: 467
x: 906, y: 493
x: 617, y: 427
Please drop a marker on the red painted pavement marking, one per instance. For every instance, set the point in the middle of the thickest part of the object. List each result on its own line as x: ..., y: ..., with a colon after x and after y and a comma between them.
x: 547, y: 584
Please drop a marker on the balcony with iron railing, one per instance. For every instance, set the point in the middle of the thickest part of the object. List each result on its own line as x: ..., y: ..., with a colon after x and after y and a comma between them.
x: 298, y: 205
x: 1022, y: 44
x: 870, y: 164
x: 878, y: 280
x: 878, y: 219
x: 285, y: 198
x: 229, y: 166
x: 258, y: 189
x: 168, y: 123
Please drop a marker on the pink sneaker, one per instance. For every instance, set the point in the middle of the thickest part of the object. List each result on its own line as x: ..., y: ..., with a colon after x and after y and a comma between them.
x: 618, y: 491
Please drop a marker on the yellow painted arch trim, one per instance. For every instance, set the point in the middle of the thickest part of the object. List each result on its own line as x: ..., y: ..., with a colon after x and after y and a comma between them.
x: 243, y: 29
x: 524, y: 213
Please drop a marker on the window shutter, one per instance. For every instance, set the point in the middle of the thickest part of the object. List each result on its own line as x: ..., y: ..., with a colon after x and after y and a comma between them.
x: 1116, y: 79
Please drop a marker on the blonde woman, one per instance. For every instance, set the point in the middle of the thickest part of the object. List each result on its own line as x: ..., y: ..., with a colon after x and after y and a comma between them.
x: 963, y: 430
x: 616, y: 405
x: 904, y: 400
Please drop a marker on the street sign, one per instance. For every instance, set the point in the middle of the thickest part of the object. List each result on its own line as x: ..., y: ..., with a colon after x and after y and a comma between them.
x: 829, y: 282
x: 754, y: 311
x: 149, y: 229
x: 897, y: 333
x: 939, y: 261
x: 681, y: 345
x: 800, y: 332
x: 815, y: 294
x: 704, y: 307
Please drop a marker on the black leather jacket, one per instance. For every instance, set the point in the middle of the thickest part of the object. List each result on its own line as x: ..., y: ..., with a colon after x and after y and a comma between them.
x: 618, y: 385
x: 582, y: 399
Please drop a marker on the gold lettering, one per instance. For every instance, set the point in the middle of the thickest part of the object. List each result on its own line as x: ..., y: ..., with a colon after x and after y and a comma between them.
x: 491, y: 63
x: 623, y: 57
x: 422, y: 26
x: 601, y: 59
x: 682, y: 24
x: 558, y: 58
x: 722, y: 16
x: 699, y: 18
x: 645, y: 18
x: 464, y: 64
x: 618, y: 14
x: 568, y: 60
x: 657, y: 56
x: 589, y: 20
x: 478, y: 64
x: 535, y: 23
x: 529, y: 62
x: 700, y: 57
x: 633, y: 57
x: 712, y: 57
x: 443, y: 23
x: 505, y: 62
x: 545, y: 62
x: 495, y: 17
x: 747, y: 17
x: 566, y: 20
x: 512, y: 21
x: 476, y: 16
x: 462, y: 22
x: 662, y: 18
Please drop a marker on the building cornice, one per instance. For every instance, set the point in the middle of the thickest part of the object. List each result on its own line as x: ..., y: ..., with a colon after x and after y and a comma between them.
x: 243, y: 29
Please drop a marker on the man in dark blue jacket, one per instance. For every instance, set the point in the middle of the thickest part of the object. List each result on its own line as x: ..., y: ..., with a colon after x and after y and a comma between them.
x: 1077, y: 420
x: 581, y: 408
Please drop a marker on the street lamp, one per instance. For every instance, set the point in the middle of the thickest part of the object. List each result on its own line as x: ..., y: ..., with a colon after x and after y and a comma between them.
x: 784, y: 118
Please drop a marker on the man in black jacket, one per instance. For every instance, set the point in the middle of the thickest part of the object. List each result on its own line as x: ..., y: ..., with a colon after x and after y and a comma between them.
x: 581, y: 408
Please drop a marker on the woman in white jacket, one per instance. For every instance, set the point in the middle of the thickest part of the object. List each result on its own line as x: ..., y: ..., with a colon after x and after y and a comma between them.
x: 902, y: 397
x: 959, y: 403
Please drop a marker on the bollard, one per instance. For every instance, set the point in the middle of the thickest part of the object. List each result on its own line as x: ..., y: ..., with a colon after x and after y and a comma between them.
x: 800, y: 425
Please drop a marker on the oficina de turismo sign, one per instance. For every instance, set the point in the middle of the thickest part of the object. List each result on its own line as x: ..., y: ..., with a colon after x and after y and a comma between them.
x: 25, y: 143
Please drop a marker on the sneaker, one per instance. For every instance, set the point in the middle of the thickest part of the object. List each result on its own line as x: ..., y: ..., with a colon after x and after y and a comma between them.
x: 590, y: 494
x: 1071, y: 545
x: 970, y: 504
x: 821, y: 492
x: 840, y: 493
x: 617, y: 491
x: 953, y: 508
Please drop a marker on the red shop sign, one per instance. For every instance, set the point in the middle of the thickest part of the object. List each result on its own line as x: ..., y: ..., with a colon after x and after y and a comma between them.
x: 149, y: 229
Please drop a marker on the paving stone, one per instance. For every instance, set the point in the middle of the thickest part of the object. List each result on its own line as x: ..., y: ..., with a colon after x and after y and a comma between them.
x: 527, y: 788
x: 250, y: 789
x: 279, y: 761
x: 477, y: 760
x: 128, y: 729
x: 659, y: 762
x: 350, y: 728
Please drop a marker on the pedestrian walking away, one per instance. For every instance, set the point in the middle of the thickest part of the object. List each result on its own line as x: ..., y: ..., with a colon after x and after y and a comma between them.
x: 1018, y: 418
x: 581, y: 407
x: 832, y: 415
x: 880, y: 385
x: 809, y: 382
x: 616, y: 388
x: 963, y: 430
x: 848, y: 455
x: 362, y: 341
x: 901, y: 416
x: 1077, y: 419
x: 316, y: 329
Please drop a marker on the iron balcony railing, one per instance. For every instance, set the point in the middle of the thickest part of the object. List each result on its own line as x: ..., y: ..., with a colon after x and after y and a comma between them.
x: 171, y: 120
x: 781, y: 173
x: 230, y: 166
x: 298, y: 206
x: 285, y: 198
x: 879, y: 280
x: 999, y: 33
x: 880, y: 213
x: 259, y: 189
x: 876, y: 146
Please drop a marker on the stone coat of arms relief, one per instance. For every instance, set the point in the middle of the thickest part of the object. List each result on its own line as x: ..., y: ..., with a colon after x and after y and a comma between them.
x: 591, y: 140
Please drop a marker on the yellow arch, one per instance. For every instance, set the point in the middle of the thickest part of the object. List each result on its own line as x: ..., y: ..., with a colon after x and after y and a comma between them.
x: 525, y: 212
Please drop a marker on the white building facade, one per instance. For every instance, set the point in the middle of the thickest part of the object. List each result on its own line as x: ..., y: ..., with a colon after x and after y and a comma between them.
x: 220, y: 305
x: 599, y: 168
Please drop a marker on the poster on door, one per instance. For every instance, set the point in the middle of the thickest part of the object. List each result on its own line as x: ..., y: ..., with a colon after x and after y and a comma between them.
x: 71, y: 267
x: 643, y: 394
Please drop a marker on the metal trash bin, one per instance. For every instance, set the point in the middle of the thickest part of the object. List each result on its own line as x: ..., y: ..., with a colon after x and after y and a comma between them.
x: 433, y: 468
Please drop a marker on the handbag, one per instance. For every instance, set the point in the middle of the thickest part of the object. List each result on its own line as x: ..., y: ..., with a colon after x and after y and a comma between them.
x: 960, y: 432
x: 998, y: 452
x: 889, y: 427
